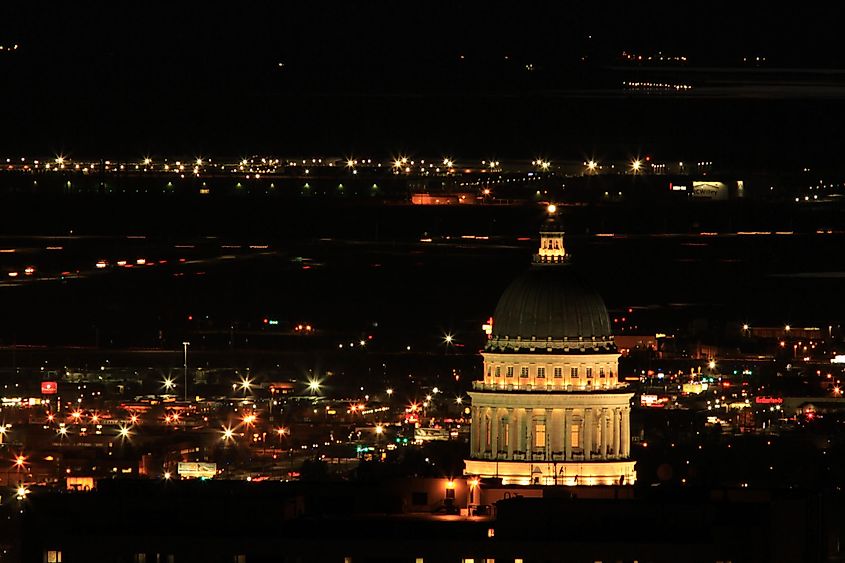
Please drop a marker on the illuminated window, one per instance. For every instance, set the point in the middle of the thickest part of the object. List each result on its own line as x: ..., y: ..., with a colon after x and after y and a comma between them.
x: 504, y: 433
x: 510, y: 371
x: 558, y: 373
x: 523, y: 372
x: 52, y: 556
x: 601, y: 372
x: 541, y: 373
x: 498, y: 371
x: 490, y: 372
x: 575, y: 436
x: 539, y: 434
x: 589, y: 372
x: 573, y: 373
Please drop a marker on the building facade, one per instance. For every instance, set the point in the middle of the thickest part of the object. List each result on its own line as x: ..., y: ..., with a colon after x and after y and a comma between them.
x: 549, y: 408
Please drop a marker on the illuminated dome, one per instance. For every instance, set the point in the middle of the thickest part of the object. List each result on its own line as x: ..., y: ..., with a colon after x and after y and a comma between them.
x: 550, y: 307
x: 550, y: 304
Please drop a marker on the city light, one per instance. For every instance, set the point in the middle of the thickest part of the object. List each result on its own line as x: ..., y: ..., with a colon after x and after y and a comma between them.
x: 379, y: 429
x: 21, y: 492
x: 314, y: 386
x: 551, y: 208
x: 20, y: 461
x: 592, y: 165
x: 228, y: 433
x: 389, y: 391
x: 245, y: 384
x: 636, y: 165
x: 250, y: 419
x: 448, y: 338
x: 168, y: 383
x: 123, y: 432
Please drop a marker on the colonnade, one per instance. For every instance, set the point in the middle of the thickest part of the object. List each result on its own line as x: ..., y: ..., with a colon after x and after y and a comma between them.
x: 550, y: 434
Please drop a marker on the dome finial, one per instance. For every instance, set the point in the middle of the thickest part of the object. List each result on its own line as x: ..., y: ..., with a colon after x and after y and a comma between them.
x: 552, y: 250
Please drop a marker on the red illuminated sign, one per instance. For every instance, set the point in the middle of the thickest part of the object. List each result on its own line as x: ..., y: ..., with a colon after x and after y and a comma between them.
x: 768, y: 400
x: 49, y: 387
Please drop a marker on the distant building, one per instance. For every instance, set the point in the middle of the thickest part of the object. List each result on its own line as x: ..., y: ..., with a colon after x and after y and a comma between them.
x: 550, y: 408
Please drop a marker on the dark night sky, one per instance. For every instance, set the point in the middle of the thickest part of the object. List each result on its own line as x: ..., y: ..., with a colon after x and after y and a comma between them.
x: 130, y: 77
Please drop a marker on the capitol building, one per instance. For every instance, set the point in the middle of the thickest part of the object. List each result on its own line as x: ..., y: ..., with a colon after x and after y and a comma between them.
x: 550, y: 408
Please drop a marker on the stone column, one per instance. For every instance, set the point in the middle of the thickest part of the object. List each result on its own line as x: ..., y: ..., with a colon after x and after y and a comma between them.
x: 589, y: 421
x: 475, y: 428
x: 511, y: 432
x: 617, y: 432
x: 567, y: 431
x: 494, y: 433
x: 603, y: 422
x: 626, y: 432
x: 529, y: 433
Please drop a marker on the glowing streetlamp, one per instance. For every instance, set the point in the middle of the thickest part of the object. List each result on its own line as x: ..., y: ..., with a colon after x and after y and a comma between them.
x: 636, y: 165
x: 592, y: 165
x: 314, y: 386
x: 552, y: 208
x: 123, y: 432
x: 168, y: 383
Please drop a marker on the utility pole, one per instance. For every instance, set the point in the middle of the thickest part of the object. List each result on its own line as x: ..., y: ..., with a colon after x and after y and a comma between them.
x: 185, y: 345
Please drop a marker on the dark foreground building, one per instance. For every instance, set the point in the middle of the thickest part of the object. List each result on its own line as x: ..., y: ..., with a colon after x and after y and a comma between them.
x: 242, y: 522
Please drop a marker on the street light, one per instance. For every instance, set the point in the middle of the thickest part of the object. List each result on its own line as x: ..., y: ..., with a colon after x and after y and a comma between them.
x: 314, y: 386
x: 636, y: 165
x: 185, y: 345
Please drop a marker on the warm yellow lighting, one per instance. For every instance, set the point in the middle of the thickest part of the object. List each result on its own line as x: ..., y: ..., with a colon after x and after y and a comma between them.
x: 712, y: 364
x: 228, y: 433
x: 22, y: 492
x: 450, y: 484
x: 551, y: 208
x: 167, y: 475
x: 249, y: 419
x: 314, y: 385
x: 379, y: 429
x: 591, y: 165
x: 636, y: 165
